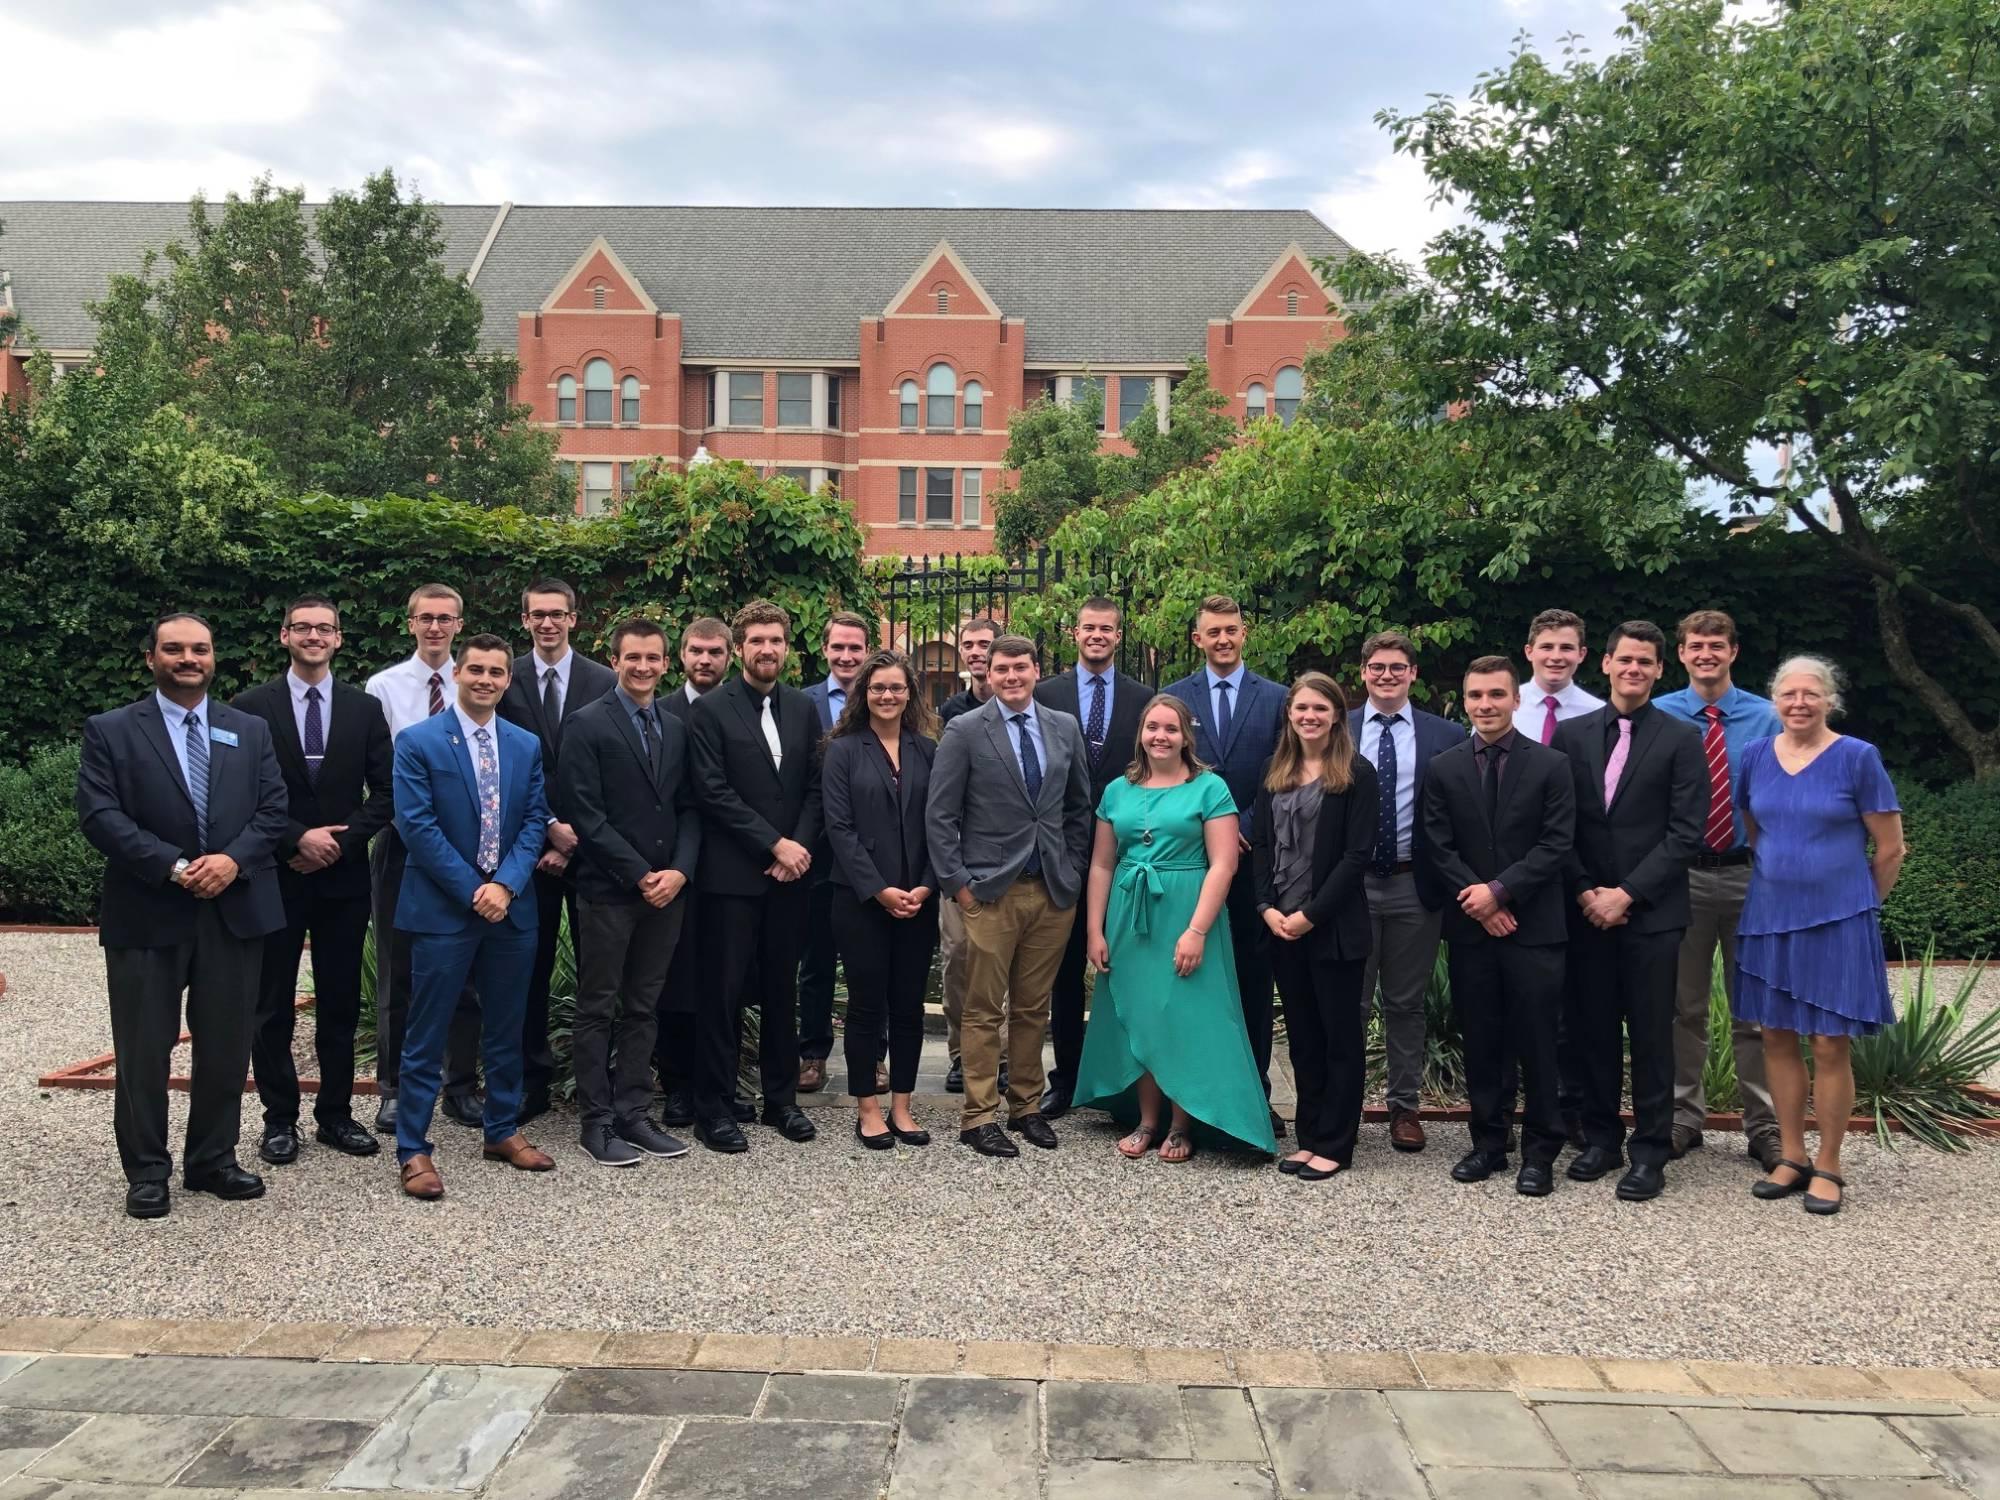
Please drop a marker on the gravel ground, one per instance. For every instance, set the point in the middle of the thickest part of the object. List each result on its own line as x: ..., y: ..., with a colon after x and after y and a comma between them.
x: 1078, y: 1246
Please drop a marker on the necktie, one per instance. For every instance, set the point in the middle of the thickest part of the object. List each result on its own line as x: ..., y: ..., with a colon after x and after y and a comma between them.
x: 649, y: 740
x: 315, y: 737
x: 1549, y: 719
x: 769, y: 725
x: 551, y: 704
x: 1720, y: 833
x: 836, y: 704
x: 1615, y: 766
x: 1031, y: 773
x: 1489, y: 763
x: 1223, y: 717
x: 1093, y: 727
x: 1385, y: 816
x: 197, y: 769
x: 437, y: 693
x: 489, y: 804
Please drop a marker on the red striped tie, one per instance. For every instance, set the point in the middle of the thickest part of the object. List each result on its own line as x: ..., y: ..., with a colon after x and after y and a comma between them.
x: 1720, y: 834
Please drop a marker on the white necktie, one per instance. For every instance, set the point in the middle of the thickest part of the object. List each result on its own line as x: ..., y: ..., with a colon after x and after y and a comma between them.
x: 770, y: 727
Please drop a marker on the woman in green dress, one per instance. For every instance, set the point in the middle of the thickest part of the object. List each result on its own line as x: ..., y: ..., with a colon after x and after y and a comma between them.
x: 1166, y: 1026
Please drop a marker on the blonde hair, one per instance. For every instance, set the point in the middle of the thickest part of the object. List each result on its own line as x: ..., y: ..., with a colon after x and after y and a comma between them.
x: 1336, y: 767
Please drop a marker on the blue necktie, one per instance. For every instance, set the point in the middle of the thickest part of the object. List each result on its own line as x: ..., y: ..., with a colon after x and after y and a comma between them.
x: 1031, y: 773
x: 315, y: 737
x: 489, y: 803
x: 197, y: 759
x: 1093, y: 728
x: 1385, y: 819
x: 1223, y: 717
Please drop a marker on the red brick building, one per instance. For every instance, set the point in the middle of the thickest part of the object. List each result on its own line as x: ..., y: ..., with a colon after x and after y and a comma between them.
x: 877, y: 350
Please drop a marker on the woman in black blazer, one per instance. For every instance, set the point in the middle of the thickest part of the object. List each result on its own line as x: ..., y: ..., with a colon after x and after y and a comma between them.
x: 1310, y: 839
x: 874, y: 781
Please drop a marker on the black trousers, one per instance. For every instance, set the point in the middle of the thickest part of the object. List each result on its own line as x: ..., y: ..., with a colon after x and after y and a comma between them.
x: 1507, y: 996
x: 888, y: 962
x: 1066, y: 1019
x: 750, y: 956
x: 1621, y: 984
x: 337, y: 925
x: 816, y: 974
x: 1251, y: 946
x: 386, y: 860
x: 553, y: 895
x: 628, y: 948
x: 1327, y: 1032
x: 674, y: 1045
x: 218, y: 970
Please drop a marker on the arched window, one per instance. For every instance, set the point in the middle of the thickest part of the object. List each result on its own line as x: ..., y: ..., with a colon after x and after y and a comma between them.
x: 975, y: 405
x: 907, y: 399
x: 944, y: 302
x: 628, y: 400
x: 1253, y: 401
x: 566, y: 399
x: 940, y: 397
x: 597, y: 295
x: 597, y: 393
x: 1291, y: 302
x: 1286, y: 390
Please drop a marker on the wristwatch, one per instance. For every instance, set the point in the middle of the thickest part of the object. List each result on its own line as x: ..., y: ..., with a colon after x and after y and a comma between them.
x: 179, y: 869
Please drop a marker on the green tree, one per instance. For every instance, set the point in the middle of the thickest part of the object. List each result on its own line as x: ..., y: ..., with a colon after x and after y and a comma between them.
x: 1052, y: 450
x: 9, y: 321
x: 1735, y: 234
x: 1198, y: 427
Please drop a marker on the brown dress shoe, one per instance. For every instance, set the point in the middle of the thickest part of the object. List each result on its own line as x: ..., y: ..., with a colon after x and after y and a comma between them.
x: 518, y: 1154
x: 420, y: 1178
x: 812, y: 1075
x: 1406, y: 1131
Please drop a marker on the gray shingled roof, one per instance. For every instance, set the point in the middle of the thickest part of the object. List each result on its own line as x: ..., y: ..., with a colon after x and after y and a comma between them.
x: 1095, y: 286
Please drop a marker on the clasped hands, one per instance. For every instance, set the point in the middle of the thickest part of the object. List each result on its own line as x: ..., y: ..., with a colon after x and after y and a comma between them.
x: 317, y: 849
x: 208, y: 876
x: 789, y: 861
x: 491, y: 900
x: 659, y: 887
x: 900, y: 903
x: 1290, y: 928
x: 1605, y: 906
x: 1479, y: 903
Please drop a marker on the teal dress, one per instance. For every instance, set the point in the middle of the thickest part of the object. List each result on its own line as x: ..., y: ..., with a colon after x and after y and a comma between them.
x: 1144, y: 1018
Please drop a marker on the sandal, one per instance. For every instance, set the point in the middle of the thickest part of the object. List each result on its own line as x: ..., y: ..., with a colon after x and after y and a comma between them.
x: 1827, y: 1205
x: 1146, y: 1135
x: 1766, y: 1189
x: 1185, y: 1139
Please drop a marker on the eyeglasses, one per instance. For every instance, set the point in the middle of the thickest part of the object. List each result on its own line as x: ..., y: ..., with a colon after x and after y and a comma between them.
x: 1387, y: 668
x: 430, y: 621
x: 298, y: 628
x: 887, y: 690
x: 548, y: 616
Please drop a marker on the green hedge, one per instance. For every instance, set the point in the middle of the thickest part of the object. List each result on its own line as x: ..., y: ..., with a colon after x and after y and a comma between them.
x: 1950, y: 888
x: 48, y: 873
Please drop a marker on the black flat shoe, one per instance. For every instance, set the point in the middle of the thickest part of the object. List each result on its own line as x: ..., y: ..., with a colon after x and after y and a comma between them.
x: 886, y: 1141
x: 1289, y: 1166
x: 230, y: 1182
x: 790, y: 1122
x: 721, y: 1134
x: 988, y: 1140
x: 917, y: 1137
x: 280, y: 1146
x: 1317, y: 1174
x: 1768, y: 1190
x: 1826, y: 1205
x: 385, y: 1114
x: 348, y: 1137
x: 1534, y: 1180
x: 1642, y: 1183
x: 1035, y: 1131
x: 147, y: 1200
x: 1592, y: 1164
x: 1477, y: 1165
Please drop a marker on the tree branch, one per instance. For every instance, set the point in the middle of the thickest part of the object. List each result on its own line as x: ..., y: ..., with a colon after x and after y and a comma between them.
x: 1967, y: 509
x: 1982, y: 750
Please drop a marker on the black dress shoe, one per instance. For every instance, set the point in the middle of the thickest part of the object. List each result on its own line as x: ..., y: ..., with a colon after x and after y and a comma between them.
x: 1534, y: 1180
x: 742, y: 1111
x: 1573, y: 1135
x: 988, y: 1140
x: 280, y: 1146
x: 1035, y: 1131
x: 790, y: 1122
x: 1765, y: 1149
x: 534, y: 1104
x: 230, y: 1182
x: 886, y: 1141
x: 345, y: 1135
x: 720, y: 1134
x: 1055, y: 1104
x: 1592, y: 1163
x: 147, y: 1200
x: 1289, y: 1166
x: 1477, y: 1165
x: 462, y: 1106
x: 677, y: 1110
x: 1642, y: 1182
x: 1277, y: 1125
x: 385, y: 1114
x: 954, y: 1077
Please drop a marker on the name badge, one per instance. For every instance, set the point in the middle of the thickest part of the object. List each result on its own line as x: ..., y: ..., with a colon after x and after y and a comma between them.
x: 223, y: 737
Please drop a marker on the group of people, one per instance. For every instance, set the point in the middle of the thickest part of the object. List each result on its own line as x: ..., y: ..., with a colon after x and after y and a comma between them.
x: 733, y: 842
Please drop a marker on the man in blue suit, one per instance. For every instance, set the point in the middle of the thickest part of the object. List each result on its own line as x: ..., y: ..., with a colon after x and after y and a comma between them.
x: 473, y: 811
x: 1405, y: 893
x: 1237, y: 715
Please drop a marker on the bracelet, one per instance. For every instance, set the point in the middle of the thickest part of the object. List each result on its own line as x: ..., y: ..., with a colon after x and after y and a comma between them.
x: 1200, y: 932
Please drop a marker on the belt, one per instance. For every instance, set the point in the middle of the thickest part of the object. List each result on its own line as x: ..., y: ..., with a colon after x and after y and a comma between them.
x: 1400, y: 867
x: 1140, y: 880
x: 1717, y: 861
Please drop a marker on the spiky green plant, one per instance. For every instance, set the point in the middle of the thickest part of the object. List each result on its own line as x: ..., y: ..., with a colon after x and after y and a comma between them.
x: 1718, y: 1072
x: 1921, y: 1070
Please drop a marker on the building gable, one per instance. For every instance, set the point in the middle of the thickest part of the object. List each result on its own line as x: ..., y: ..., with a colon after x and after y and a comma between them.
x: 944, y: 275
x: 1289, y: 289
x: 599, y: 282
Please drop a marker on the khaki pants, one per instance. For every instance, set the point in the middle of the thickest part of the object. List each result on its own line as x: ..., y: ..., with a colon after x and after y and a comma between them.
x: 1013, y: 947
x: 1715, y: 897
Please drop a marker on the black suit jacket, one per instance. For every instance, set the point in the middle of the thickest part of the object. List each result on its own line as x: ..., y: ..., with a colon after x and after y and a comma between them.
x: 133, y: 805
x: 356, y: 782
x: 747, y: 804
x: 522, y: 704
x: 1523, y: 848
x: 628, y: 822
x: 1649, y: 835
x: 1342, y: 843
x: 869, y: 813
x: 1129, y: 698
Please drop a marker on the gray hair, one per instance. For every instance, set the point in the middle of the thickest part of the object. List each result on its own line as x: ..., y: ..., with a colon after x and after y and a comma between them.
x: 1829, y: 677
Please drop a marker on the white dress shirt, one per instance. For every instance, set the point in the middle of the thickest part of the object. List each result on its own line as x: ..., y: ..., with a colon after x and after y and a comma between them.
x: 470, y: 729
x: 298, y: 688
x: 1571, y: 703
x: 404, y: 692
x: 1235, y: 681
x: 688, y: 692
x: 561, y: 669
x: 1404, y: 730
x: 177, y: 718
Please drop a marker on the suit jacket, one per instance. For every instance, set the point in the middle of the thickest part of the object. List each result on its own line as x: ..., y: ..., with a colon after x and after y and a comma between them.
x: 356, y: 783
x: 1434, y: 736
x: 521, y: 704
x: 873, y: 816
x: 1254, y: 722
x: 1649, y: 835
x: 133, y: 806
x: 1523, y: 846
x: 747, y: 804
x: 437, y: 814
x: 1342, y: 841
x: 629, y: 822
x: 979, y: 819
x: 1129, y: 698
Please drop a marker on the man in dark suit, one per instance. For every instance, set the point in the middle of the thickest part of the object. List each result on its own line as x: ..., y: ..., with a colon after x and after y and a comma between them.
x: 184, y: 799
x: 1499, y: 815
x: 845, y: 646
x: 756, y: 766
x: 1404, y: 896
x: 334, y: 748
x: 550, y: 685
x: 1641, y: 800
x: 1237, y: 716
x: 626, y: 788
x: 1108, y: 705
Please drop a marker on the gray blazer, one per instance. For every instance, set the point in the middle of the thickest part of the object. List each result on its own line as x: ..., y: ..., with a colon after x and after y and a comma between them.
x: 979, y: 821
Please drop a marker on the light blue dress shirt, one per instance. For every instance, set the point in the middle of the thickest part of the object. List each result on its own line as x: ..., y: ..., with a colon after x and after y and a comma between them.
x: 1235, y: 681
x: 1086, y: 691
x: 1405, y: 732
x: 1745, y: 717
x: 1034, y: 728
x: 836, y: 699
x: 177, y: 718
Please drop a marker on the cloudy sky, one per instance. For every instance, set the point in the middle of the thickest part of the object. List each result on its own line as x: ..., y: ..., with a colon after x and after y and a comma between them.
x: 1170, y: 104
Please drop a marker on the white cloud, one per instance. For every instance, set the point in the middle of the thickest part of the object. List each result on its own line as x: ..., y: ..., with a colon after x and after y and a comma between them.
x: 1383, y: 205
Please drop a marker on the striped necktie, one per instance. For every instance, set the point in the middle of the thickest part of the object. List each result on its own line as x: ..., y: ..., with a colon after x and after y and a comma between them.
x: 1720, y: 832
x: 197, y: 772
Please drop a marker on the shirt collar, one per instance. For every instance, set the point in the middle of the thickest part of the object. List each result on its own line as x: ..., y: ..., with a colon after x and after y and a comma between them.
x: 1008, y: 713
x: 176, y: 716
x: 1369, y: 710
x: 688, y: 692
x: 1234, y: 679
x: 561, y: 664
x: 652, y: 709
x: 423, y: 669
x: 1086, y: 678
x: 469, y: 729
x: 298, y: 687
x: 833, y: 686
x: 1504, y: 744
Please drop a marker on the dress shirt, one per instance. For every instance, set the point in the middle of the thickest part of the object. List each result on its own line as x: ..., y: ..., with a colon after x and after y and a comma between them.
x: 325, y: 686
x: 688, y: 692
x: 1571, y: 703
x: 836, y: 698
x: 562, y: 675
x: 1034, y: 728
x: 1085, y: 692
x: 1235, y: 681
x: 177, y: 718
x: 468, y: 727
x: 650, y: 713
x: 1745, y: 717
x: 1405, y: 729
x: 404, y: 692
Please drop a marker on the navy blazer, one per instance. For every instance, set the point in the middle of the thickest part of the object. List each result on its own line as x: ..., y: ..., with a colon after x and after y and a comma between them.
x: 871, y: 815
x: 1129, y: 698
x: 1434, y: 736
x: 521, y: 705
x: 437, y: 814
x: 1254, y: 721
x: 133, y: 806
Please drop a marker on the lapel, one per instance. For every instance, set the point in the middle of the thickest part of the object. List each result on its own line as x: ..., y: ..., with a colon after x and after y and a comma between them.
x: 912, y: 765
x: 160, y: 738
x: 285, y: 732
x: 467, y: 772
x: 1592, y: 734
x: 629, y: 732
x: 1241, y: 692
x: 1003, y: 745
x: 741, y: 698
x: 1645, y: 733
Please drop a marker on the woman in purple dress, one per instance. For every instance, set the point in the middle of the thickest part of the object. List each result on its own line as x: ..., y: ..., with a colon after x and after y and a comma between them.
x: 1809, y: 945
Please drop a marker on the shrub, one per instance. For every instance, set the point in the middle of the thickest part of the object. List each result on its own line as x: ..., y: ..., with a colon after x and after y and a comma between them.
x: 48, y: 873
x: 1949, y: 894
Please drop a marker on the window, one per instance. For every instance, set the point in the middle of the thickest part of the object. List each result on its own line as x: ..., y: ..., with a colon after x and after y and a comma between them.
x: 566, y: 399
x: 969, y: 487
x: 715, y: 397
x: 1081, y: 389
x: 628, y: 400
x: 1291, y: 302
x: 906, y: 497
x: 832, y: 480
x: 626, y: 478
x: 597, y: 393
x: 597, y: 295
x: 937, y: 497
x: 596, y: 489
x: 1049, y: 388
x: 1286, y: 390
x: 944, y: 301
x: 908, y: 401
x: 1253, y: 401
x: 1134, y: 391
x: 746, y: 398
x: 795, y: 400
x: 803, y: 478
x: 975, y: 406
x: 566, y: 473
x: 833, y: 402
x: 940, y: 397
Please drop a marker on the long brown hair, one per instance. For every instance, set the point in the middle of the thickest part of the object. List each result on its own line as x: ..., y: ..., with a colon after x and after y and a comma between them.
x: 1136, y: 772
x: 917, y: 715
x: 1336, y: 767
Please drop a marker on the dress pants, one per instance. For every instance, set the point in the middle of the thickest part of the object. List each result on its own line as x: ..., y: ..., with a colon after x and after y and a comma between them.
x: 952, y: 957
x: 1507, y: 996
x: 337, y: 925
x: 386, y: 858
x: 628, y: 947
x: 218, y: 970
x: 1716, y: 897
x: 1402, y: 961
x: 1326, y: 1030
x: 888, y: 964
x: 1622, y: 982
x: 1066, y: 1018
x: 816, y: 974
x: 1013, y: 945
x: 750, y: 956
x: 553, y: 896
x: 1250, y: 946
x: 495, y: 957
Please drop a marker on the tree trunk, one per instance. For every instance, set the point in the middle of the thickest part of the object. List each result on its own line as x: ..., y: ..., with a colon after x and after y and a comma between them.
x: 1981, y: 749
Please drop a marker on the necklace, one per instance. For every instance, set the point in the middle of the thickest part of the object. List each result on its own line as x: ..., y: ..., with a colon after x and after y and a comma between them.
x: 1146, y: 831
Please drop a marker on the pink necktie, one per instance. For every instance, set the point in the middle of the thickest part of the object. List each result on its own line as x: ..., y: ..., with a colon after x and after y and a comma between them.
x: 1615, y: 767
x: 1549, y: 720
